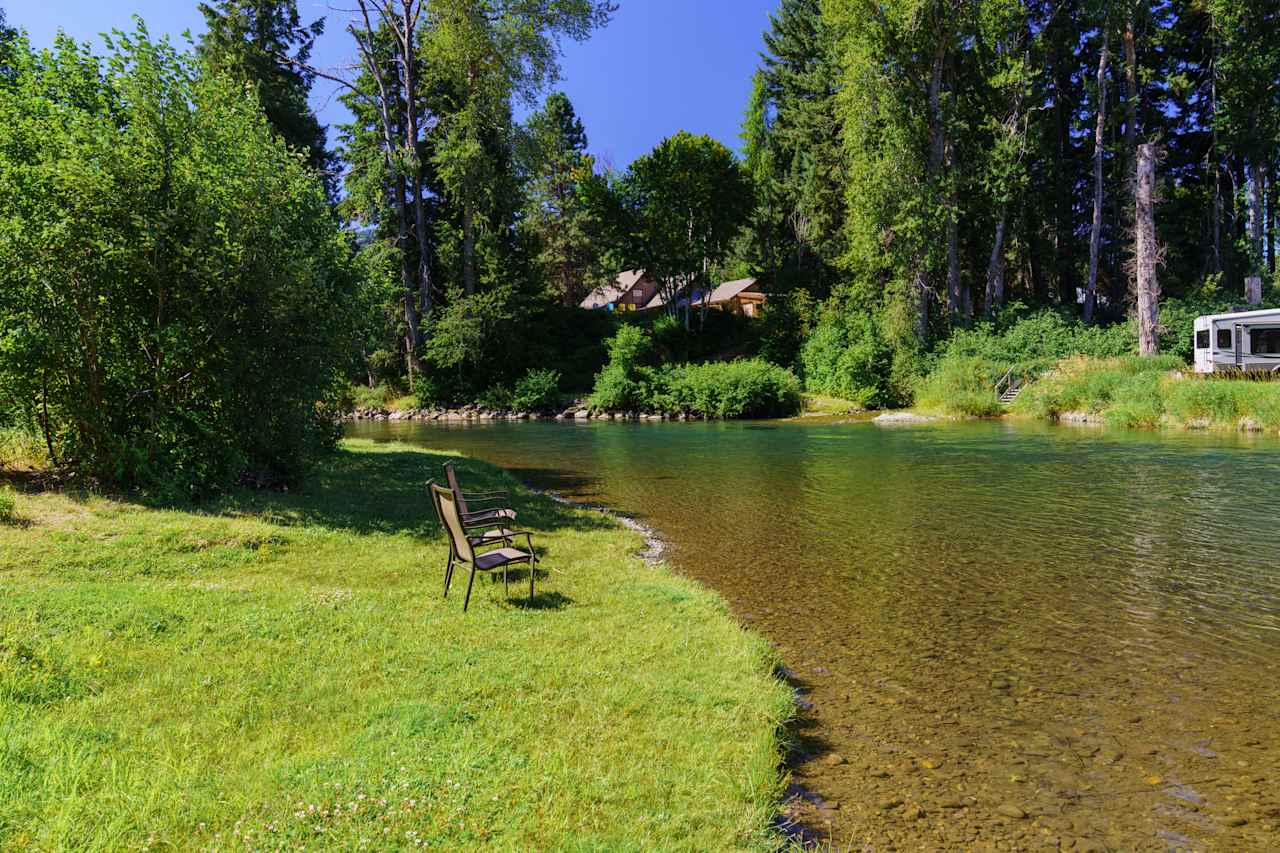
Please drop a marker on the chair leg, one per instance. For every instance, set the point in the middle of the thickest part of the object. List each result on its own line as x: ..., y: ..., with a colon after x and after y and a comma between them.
x: 470, y: 581
x: 448, y: 575
x: 506, y: 587
x: 532, y: 568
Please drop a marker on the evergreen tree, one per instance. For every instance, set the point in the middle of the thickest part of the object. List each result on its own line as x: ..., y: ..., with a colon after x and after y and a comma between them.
x: 264, y: 42
x: 793, y: 138
x: 557, y: 212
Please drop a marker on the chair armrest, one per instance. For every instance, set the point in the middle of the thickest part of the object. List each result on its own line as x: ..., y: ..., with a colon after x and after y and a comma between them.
x: 472, y: 499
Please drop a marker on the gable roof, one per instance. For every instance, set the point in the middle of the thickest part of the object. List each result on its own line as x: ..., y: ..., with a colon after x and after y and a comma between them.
x: 730, y: 289
x: 610, y: 292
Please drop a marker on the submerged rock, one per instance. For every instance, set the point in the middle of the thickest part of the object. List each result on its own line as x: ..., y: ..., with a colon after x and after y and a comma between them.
x: 890, y: 418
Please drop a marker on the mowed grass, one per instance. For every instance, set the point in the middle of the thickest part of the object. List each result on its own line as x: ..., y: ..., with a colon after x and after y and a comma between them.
x: 279, y: 671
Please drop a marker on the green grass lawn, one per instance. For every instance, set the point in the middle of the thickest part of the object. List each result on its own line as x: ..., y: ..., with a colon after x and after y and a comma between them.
x: 279, y: 671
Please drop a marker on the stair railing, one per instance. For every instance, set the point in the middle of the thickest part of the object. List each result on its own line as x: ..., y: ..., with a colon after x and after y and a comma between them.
x: 1003, y: 383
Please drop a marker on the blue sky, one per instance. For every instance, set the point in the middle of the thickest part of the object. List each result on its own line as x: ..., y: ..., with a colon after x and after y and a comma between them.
x: 659, y: 67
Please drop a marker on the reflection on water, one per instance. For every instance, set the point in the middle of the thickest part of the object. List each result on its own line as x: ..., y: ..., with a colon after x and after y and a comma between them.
x: 1015, y: 635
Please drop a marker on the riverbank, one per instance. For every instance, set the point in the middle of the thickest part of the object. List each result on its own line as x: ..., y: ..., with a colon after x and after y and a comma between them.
x: 279, y: 670
x: 1130, y: 392
x: 1150, y: 393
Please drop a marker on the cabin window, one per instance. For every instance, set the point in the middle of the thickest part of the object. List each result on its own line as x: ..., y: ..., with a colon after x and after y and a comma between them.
x: 1202, y: 339
x: 1224, y: 339
x: 1264, y: 341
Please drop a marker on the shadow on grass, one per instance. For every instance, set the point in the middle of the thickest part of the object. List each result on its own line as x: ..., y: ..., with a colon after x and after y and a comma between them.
x: 541, y: 601
x: 385, y: 491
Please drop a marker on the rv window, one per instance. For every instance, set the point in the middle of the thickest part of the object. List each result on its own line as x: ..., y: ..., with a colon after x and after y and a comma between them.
x: 1202, y: 339
x: 1224, y: 339
x: 1264, y: 341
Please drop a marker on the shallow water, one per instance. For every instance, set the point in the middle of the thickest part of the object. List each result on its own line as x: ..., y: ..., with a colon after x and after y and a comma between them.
x: 1006, y: 636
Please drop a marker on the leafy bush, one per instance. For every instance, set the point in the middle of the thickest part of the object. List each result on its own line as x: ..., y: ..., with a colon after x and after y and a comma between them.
x: 537, y: 391
x: 737, y: 389
x: 8, y: 505
x: 624, y: 383
x: 786, y: 322
x: 847, y: 356
x: 377, y: 397
x: 1035, y: 340
x: 496, y: 398
x: 174, y: 278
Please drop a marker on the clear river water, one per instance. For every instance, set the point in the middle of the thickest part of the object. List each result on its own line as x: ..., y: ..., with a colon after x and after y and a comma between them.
x: 1003, y: 636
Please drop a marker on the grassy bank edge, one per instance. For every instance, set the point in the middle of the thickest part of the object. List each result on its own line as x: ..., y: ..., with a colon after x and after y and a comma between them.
x: 68, y: 549
x: 1129, y: 392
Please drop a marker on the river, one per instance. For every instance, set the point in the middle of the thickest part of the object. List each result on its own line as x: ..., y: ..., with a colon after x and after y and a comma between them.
x: 1008, y: 635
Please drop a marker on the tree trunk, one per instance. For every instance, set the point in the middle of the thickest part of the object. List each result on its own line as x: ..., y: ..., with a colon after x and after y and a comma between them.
x: 1132, y: 99
x: 407, y: 278
x: 1215, y: 169
x: 468, y: 249
x: 409, y: 64
x: 1146, y: 251
x: 937, y: 152
x: 1095, y: 232
x: 955, y: 299
x: 1253, y: 284
x: 994, y: 296
x: 1271, y: 221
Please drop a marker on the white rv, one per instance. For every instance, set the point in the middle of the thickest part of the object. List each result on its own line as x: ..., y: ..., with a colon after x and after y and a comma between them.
x: 1243, y: 340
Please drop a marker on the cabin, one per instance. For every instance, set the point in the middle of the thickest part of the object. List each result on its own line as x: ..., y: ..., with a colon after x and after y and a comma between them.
x: 632, y: 290
x: 740, y: 297
x: 1240, y: 340
x: 743, y: 296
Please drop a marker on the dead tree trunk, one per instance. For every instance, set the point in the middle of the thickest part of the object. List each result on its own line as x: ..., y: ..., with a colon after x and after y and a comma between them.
x: 1099, y: 148
x: 1146, y: 250
x: 994, y: 296
x: 1215, y: 170
x: 955, y: 299
x: 1253, y: 283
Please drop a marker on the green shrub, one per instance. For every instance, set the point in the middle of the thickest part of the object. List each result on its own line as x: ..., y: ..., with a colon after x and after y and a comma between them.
x: 1032, y: 341
x: 175, y: 283
x: 960, y: 385
x: 8, y: 505
x: 496, y: 398
x: 736, y: 389
x: 846, y: 356
x: 785, y: 324
x: 623, y: 384
x: 751, y: 388
x: 537, y: 391
x: 377, y: 397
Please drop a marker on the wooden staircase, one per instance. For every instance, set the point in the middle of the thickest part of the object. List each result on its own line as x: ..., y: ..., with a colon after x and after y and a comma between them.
x: 1009, y: 387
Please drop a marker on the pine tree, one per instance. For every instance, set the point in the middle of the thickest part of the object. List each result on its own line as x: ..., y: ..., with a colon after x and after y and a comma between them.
x: 263, y: 42
x: 557, y: 164
x: 806, y: 177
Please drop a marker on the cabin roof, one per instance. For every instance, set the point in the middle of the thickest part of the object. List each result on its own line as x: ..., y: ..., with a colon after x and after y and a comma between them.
x: 612, y: 291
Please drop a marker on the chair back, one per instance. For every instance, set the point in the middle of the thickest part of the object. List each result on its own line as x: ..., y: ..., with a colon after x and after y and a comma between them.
x: 451, y: 518
x: 452, y: 477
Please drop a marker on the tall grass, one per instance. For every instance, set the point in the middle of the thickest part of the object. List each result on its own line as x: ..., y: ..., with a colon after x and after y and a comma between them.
x: 960, y: 385
x: 1151, y: 392
x: 22, y: 449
